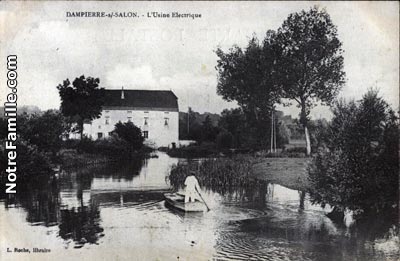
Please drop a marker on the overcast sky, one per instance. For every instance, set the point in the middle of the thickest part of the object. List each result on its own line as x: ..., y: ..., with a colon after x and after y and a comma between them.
x: 178, y: 54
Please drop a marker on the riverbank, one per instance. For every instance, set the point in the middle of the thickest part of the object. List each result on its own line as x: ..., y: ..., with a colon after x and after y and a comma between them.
x: 288, y: 172
x: 71, y: 158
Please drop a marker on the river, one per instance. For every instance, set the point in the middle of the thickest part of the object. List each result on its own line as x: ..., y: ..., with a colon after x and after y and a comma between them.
x: 117, y: 212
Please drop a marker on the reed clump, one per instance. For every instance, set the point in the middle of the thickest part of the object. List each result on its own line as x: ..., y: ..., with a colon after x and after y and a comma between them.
x: 219, y: 174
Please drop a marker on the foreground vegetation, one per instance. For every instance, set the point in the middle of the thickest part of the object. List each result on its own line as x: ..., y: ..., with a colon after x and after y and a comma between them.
x: 219, y: 173
x: 357, y: 166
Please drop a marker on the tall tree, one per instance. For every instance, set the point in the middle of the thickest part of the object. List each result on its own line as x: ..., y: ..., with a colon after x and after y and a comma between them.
x: 246, y: 76
x: 310, y: 67
x: 82, y: 100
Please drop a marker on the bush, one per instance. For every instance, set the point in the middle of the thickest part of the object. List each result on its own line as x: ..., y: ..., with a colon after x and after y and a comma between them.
x: 85, y: 145
x: 357, y: 168
x: 129, y: 133
x: 126, y: 140
x: 108, y: 147
x: 31, y: 162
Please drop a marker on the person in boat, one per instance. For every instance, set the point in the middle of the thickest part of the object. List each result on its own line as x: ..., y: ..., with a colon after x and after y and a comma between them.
x: 192, y: 187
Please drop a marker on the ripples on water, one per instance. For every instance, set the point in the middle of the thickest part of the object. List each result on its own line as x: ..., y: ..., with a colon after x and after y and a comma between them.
x: 122, y: 207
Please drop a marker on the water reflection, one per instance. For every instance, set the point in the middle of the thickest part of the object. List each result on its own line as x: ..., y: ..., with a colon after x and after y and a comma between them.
x: 41, y: 200
x: 121, y: 206
x: 81, y: 224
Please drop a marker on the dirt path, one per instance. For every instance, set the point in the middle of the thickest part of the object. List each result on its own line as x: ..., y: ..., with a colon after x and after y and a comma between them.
x: 288, y: 172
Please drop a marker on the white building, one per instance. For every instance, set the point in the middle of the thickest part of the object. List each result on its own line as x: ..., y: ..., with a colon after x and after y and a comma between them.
x: 154, y: 112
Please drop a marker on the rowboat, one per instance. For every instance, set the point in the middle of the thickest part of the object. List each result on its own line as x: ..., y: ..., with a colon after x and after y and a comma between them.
x: 177, y: 201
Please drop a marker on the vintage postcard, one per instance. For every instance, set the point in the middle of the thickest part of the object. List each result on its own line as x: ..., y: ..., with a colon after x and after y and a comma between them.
x: 199, y: 130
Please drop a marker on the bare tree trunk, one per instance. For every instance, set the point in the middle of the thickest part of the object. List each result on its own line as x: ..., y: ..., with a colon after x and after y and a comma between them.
x: 308, y: 143
x: 274, y: 134
x: 272, y: 131
x: 303, y: 121
x: 80, y: 123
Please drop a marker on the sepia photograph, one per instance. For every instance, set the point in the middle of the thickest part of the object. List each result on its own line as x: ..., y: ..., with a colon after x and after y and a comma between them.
x: 199, y: 130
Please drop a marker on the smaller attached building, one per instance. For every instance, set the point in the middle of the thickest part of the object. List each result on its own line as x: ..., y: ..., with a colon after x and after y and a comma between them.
x: 156, y: 113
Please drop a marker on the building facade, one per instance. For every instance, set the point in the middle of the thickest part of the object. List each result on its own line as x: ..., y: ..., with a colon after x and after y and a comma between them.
x: 156, y: 113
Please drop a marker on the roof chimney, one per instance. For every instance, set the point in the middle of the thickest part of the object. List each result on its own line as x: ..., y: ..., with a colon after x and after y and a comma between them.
x: 122, y: 93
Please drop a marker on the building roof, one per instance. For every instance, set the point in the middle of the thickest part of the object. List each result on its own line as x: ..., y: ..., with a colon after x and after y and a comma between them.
x: 141, y: 99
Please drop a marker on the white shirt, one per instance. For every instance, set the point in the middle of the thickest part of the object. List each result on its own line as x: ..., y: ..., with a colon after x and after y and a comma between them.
x: 191, y: 184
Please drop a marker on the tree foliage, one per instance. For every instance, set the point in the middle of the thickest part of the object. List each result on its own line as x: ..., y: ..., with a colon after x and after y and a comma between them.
x: 224, y: 140
x: 234, y: 122
x: 44, y: 131
x: 129, y: 133
x: 209, y: 132
x: 39, y: 138
x: 311, y: 66
x: 358, y: 164
x: 247, y: 76
x: 31, y: 160
x: 82, y: 100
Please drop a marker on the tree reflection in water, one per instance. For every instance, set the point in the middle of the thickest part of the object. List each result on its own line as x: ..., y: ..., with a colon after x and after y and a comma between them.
x: 79, y: 219
x: 81, y: 224
x: 40, y: 198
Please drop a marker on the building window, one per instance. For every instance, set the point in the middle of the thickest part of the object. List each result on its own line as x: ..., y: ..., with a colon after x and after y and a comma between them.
x: 166, y: 112
x: 99, y: 135
x: 166, y: 121
x: 146, y: 121
x: 106, y: 111
x: 129, y: 112
x: 129, y: 118
x: 145, y: 134
x: 107, y: 120
x: 146, y: 112
x: 99, y: 126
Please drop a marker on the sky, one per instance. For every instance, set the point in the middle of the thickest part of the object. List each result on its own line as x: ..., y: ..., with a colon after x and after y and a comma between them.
x: 178, y: 54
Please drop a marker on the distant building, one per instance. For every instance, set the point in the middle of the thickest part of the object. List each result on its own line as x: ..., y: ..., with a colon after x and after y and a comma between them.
x: 156, y: 113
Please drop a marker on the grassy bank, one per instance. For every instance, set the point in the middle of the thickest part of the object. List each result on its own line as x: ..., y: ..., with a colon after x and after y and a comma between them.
x: 288, y: 172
